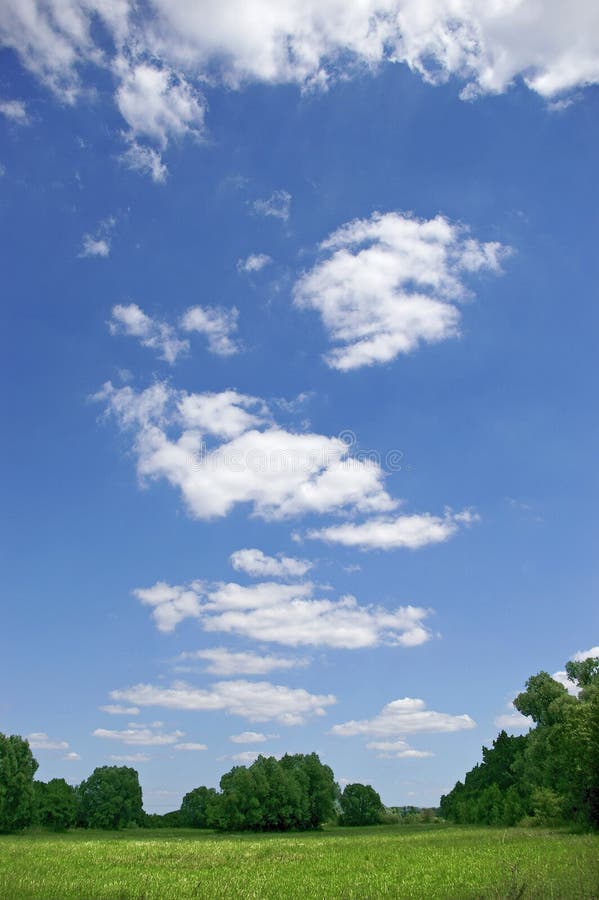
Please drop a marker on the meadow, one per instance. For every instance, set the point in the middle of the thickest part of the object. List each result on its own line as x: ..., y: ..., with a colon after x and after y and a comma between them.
x: 429, y: 862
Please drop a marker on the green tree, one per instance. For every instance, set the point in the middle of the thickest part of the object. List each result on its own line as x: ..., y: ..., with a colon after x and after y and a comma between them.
x: 196, y: 808
x: 17, y: 768
x: 360, y: 805
x: 111, y: 798
x: 56, y: 804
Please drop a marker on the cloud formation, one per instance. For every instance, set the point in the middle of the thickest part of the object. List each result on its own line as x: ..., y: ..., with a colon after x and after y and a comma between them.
x: 288, y: 614
x: 98, y: 242
x: 39, y: 740
x: 277, y: 206
x: 413, y: 531
x: 277, y: 472
x: 258, y: 701
x: 253, y: 263
x: 488, y: 46
x: 132, y: 321
x: 406, y: 716
x: 390, y: 283
x: 216, y: 324
x: 258, y: 565
x: 137, y: 734
x: 228, y: 663
x: 397, y: 750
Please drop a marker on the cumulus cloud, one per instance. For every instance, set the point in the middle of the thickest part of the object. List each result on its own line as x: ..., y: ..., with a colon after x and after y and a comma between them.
x: 257, y: 564
x: 158, y: 104
x: 258, y: 701
x: 487, y: 45
x: 15, y: 111
x: 251, y: 737
x: 279, y: 473
x: 132, y: 321
x: 216, y: 324
x: 146, y: 161
x: 513, y: 720
x: 226, y: 662
x: 39, y: 740
x: 397, y: 750
x: 71, y: 757
x: 391, y: 282
x: 98, y: 243
x: 145, y: 735
x: 287, y: 614
x: 130, y: 757
x: 245, y: 757
x: 406, y: 716
x: 412, y: 532
x: 170, y: 604
x: 278, y: 205
x: 190, y: 746
x: 253, y: 263
x: 115, y: 709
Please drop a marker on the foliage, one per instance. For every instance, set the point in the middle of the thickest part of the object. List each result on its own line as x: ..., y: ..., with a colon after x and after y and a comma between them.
x: 55, y: 804
x: 436, y: 862
x: 111, y: 798
x: 295, y: 792
x: 552, y: 773
x: 17, y: 768
x: 360, y: 805
x: 197, y: 808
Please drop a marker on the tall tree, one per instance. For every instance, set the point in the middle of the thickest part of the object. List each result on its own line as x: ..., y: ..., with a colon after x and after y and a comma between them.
x: 111, y: 798
x: 56, y: 804
x: 360, y: 805
x: 17, y: 768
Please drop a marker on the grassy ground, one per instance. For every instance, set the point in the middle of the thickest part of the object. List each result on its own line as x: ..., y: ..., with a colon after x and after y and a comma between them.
x: 424, y: 862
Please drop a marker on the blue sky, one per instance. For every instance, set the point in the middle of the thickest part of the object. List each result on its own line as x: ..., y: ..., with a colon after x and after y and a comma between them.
x: 319, y: 288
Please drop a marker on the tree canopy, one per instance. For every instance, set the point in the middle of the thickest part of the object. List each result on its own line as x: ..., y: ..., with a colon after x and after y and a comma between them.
x: 551, y: 773
x: 17, y: 768
x: 111, y: 798
x: 360, y: 805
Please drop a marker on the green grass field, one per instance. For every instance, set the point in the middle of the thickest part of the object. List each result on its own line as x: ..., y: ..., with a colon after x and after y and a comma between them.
x: 388, y: 861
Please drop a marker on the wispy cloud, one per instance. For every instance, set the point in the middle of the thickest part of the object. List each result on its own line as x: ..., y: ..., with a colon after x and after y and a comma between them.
x: 277, y: 206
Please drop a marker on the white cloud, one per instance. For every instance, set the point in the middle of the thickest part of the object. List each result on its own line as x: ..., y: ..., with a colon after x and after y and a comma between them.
x: 253, y: 263
x: 226, y: 414
x: 257, y: 564
x: 226, y: 662
x: 562, y: 675
x: 170, y: 604
x: 146, y: 161
x: 189, y: 746
x: 251, y: 737
x: 581, y: 655
x: 513, y: 720
x: 487, y: 45
x: 397, y: 750
x: 39, y: 740
x: 390, y: 283
x: 278, y: 205
x: 131, y: 320
x: 115, y: 709
x: 98, y: 243
x: 15, y: 110
x: 412, y: 532
x: 217, y: 324
x: 287, y: 614
x: 277, y: 472
x: 246, y: 757
x: 258, y: 701
x: 71, y: 757
x: 158, y: 104
x: 138, y: 734
x: 406, y: 716
x: 130, y: 757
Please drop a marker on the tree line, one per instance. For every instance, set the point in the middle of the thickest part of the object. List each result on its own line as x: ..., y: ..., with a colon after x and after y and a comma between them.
x: 297, y: 792
x: 548, y: 776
